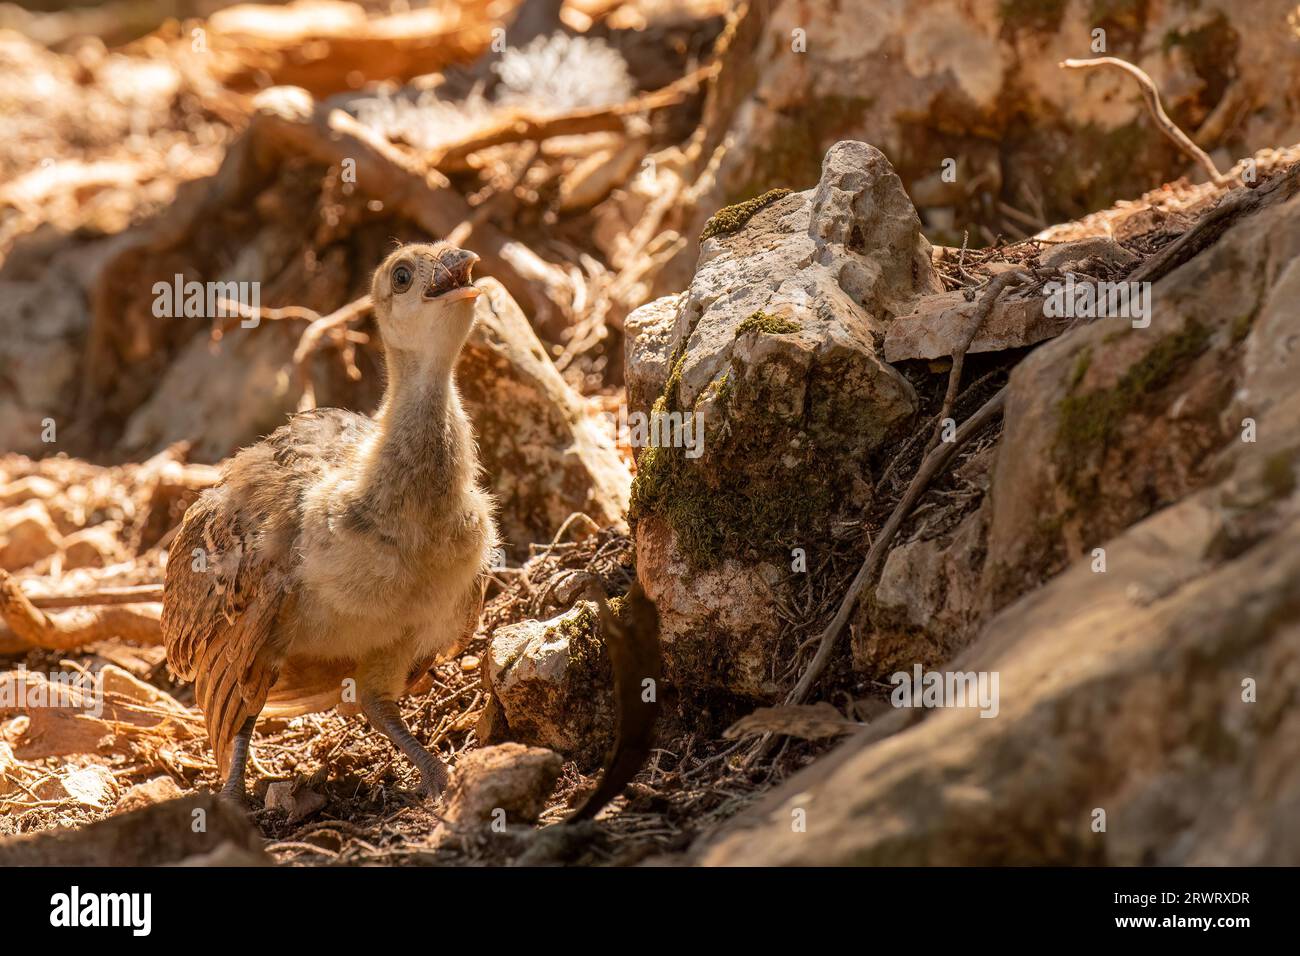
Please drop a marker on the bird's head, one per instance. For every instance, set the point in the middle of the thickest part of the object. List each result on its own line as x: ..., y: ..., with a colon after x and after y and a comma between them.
x: 424, y: 300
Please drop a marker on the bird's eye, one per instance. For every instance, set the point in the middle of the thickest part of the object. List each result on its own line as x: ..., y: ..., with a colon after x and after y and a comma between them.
x: 402, y: 276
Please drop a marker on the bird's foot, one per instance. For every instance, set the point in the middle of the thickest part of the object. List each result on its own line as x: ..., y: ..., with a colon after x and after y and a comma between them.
x: 232, y: 791
x: 236, y: 797
x: 384, y: 715
x: 434, y: 779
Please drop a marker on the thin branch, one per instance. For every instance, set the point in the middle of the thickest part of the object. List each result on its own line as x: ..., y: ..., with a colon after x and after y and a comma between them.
x: 961, y: 260
x: 319, y: 326
x: 522, y: 128
x: 933, y: 463
x: 134, y: 594
x: 310, y: 341
x: 989, y: 299
x: 1152, y: 97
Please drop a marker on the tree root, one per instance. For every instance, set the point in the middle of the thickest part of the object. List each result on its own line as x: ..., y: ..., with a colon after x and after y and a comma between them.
x: 128, y: 614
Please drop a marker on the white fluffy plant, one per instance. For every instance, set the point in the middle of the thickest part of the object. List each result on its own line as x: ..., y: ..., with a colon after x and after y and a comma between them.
x: 549, y: 75
x: 562, y: 72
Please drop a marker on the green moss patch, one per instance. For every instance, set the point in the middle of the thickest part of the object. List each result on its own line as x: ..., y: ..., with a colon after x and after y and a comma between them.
x: 760, y: 321
x: 669, y: 395
x: 713, y: 516
x: 731, y: 219
x: 767, y: 516
x: 1089, y: 422
x: 1081, y: 366
x: 1242, y: 325
x: 578, y: 628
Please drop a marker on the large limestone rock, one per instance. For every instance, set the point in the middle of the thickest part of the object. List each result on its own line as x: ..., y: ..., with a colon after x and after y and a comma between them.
x: 773, y: 361
x: 1157, y: 691
x: 968, y: 102
x: 1110, y: 423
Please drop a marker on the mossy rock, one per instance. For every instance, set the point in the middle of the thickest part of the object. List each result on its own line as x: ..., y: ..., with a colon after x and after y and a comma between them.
x: 731, y: 219
x: 1088, y: 423
x: 767, y: 324
x: 714, y: 517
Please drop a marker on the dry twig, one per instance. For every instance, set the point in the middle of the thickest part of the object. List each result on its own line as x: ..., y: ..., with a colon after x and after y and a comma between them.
x: 933, y: 463
x: 1152, y: 97
x: 992, y: 291
x: 521, y: 128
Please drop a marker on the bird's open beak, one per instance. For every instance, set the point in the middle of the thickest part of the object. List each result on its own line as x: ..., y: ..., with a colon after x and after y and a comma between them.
x: 455, y: 295
x: 451, y: 281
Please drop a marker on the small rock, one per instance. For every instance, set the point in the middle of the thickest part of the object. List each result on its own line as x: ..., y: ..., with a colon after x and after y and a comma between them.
x: 1073, y: 256
x: 147, y: 794
x: 296, y: 804
x: 12, y: 730
x: 90, y: 548
x: 27, y: 535
x: 553, y: 682
x: 939, y: 323
x: 92, y: 786
x: 511, y: 777
x: 927, y: 604
x: 114, y: 682
x: 802, y: 721
x: 469, y: 663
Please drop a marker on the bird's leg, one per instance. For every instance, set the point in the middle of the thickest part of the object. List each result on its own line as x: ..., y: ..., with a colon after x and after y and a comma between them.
x: 233, y: 788
x: 384, y: 716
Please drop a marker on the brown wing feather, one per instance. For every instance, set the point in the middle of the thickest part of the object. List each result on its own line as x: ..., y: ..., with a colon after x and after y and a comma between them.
x: 219, y: 614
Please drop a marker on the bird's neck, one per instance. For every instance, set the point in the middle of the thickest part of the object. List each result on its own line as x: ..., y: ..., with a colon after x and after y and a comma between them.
x: 422, y: 458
